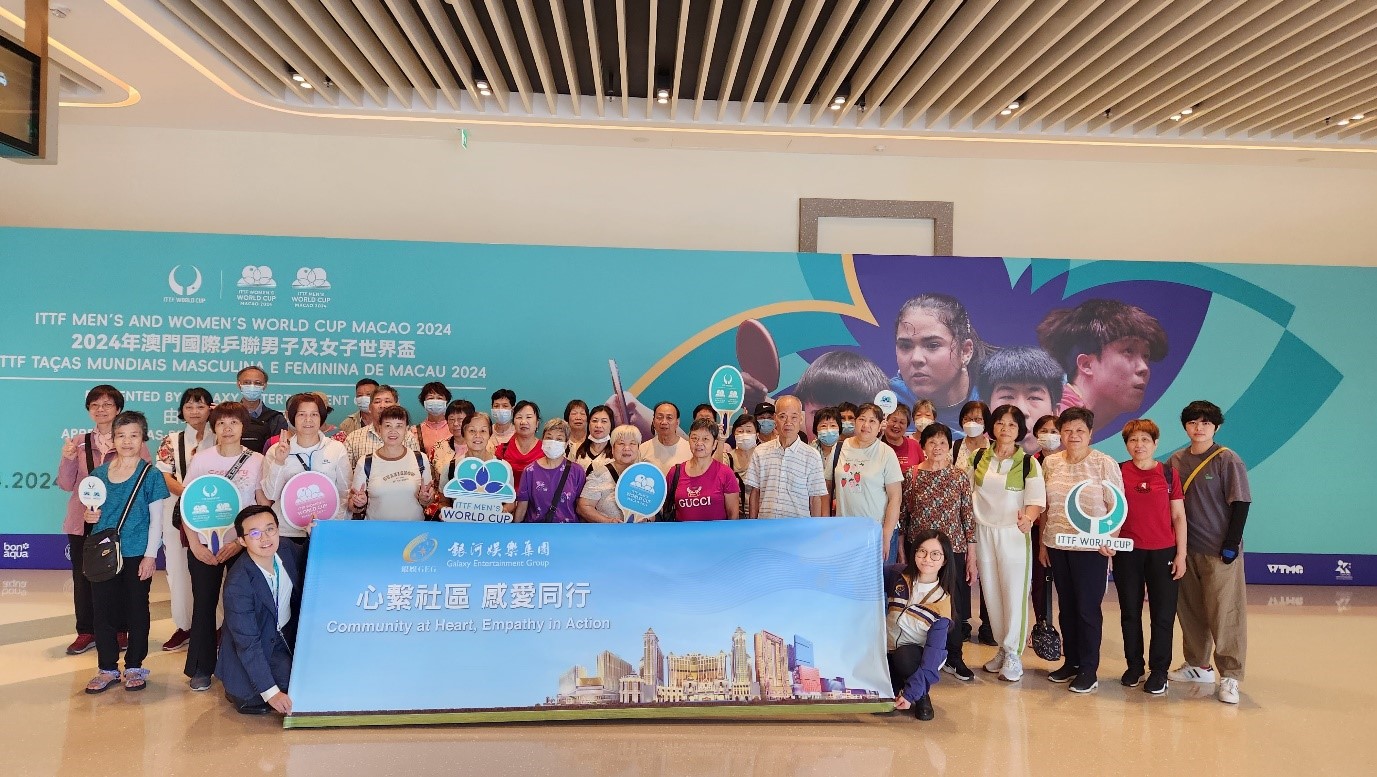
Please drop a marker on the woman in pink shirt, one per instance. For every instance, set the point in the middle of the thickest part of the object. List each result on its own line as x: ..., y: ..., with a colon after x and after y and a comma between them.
x: 703, y: 488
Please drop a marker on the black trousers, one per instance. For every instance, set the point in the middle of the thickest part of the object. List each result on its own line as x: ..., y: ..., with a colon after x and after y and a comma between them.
x: 1039, y: 588
x: 206, y: 580
x: 1080, y: 576
x: 83, y: 603
x: 903, y: 662
x: 960, y: 609
x: 1136, y: 571
x: 124, y: 596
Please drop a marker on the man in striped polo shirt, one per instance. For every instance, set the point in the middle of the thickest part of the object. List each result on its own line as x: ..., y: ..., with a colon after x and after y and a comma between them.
x: 785, y: 479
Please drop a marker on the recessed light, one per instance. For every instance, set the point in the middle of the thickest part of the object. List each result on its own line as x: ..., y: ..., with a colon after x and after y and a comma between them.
x: 482, y: 85
x: 662, y: 93
x: 1013, y: 106
x: 485, y: 92
x: 1187, y: 111
x: 1006, y: 112
x: 662, y: 100
x: 1360, y: 117
x: 839, y: 100
x: 1343, y: 122
x: 835, y: 106
x: 1176, y: 117
x: 305, y: 85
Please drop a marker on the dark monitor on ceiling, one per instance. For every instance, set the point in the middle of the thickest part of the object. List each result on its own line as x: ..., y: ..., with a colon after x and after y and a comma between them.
x: 19, y: 100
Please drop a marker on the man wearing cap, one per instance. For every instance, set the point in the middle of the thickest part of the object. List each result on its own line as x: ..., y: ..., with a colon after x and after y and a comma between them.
x: 765, y: 421
x: 784, y: 479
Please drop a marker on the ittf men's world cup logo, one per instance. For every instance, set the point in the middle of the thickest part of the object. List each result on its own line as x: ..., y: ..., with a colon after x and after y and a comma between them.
x: 1094, y: 531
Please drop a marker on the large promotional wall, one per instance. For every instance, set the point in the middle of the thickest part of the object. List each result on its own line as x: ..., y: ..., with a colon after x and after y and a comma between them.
x: 1285, y: 350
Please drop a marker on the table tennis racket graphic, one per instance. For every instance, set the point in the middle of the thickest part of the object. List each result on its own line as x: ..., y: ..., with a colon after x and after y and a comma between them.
x: 756, y: 353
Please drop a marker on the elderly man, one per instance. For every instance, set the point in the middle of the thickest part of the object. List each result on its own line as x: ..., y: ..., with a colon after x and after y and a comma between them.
x: 784, y: 479
x: 362, y: 442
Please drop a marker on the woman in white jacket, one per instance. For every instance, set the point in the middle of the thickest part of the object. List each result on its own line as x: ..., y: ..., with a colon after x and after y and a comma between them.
x: 303, y: 448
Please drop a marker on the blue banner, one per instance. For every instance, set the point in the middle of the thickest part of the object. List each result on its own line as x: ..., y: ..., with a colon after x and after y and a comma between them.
x: 448, y: 623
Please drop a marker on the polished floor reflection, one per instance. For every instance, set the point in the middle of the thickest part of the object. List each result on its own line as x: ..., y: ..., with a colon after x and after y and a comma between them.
x: 1309, y: 692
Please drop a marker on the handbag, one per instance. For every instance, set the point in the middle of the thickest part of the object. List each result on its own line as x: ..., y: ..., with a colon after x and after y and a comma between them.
x: 1046, y: 640
x: 101, y: 558
x: 181, y: 473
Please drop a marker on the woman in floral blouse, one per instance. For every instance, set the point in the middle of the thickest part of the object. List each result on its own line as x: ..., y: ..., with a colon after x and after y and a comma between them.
x: 938, y: 496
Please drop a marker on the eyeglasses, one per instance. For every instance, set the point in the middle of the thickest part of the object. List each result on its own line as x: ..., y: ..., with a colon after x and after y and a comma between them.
x: 106, y: 405
x: 258, y: 534
x: 935, y: 555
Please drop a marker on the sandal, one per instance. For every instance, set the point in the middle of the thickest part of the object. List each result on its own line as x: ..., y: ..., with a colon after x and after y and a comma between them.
x: 135, y: 679
x: 103, y: 679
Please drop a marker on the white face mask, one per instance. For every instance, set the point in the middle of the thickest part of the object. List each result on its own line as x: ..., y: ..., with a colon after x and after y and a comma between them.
x: 553, y: 449
x: 363, y: 402
x: 601, y: 440
x: 435, y: 406
x: 745, y: 441
x: 973, y: 429
x: 502, y: 415
x: 1050, y: 441
x: 922, y: 423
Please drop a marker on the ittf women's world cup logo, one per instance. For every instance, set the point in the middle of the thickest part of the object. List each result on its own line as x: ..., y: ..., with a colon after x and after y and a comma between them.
x: 1095, y: 531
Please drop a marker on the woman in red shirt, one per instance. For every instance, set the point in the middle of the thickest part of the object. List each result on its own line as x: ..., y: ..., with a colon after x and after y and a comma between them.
x: 1156, y: 523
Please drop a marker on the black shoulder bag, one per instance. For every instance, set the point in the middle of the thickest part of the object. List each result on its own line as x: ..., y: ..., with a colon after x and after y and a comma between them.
x: 670, y: 512
x: 181, y: 473
x: 101, y: 558
x: 558, y: 492
x: 1046, y: 640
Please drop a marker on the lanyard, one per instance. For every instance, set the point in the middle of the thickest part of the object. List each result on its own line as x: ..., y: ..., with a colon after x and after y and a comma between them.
x: 308, y: 462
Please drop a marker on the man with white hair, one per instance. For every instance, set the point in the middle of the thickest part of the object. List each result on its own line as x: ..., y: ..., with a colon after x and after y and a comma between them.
x: 784, y: 479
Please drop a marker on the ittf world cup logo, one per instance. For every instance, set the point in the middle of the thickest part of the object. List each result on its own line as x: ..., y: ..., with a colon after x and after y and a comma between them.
x: 1094, y: 531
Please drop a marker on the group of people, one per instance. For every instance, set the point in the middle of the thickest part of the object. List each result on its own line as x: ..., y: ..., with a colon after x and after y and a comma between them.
x: 979, y: 505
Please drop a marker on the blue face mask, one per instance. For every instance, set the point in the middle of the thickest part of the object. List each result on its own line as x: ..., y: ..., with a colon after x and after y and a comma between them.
x: 828, y: 437
x: 848, y: 428
x: 251, y: 393
x: 767, y: 426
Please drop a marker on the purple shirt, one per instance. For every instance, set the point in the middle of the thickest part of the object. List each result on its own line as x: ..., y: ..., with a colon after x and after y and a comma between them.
x: 537, y: 490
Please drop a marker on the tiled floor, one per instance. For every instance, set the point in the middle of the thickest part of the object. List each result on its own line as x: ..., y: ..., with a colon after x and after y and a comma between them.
x: 1306, y: 708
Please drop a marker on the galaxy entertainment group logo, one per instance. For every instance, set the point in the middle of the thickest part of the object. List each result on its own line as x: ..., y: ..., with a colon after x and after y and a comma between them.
x: 185, y: 281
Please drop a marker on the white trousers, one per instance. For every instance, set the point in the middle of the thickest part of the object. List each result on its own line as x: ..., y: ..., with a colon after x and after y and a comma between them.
x: 1004, y: 557
x: 178, y: 575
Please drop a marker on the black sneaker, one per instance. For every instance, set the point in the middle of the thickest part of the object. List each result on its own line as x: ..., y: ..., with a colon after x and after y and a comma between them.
x: 1065, y: 674
x: 986, y: 636
x: 923, y: 709
x: 1084, y: 683
x: 1131, y: 677
x: 1156, y: 683
x: 959, y: 670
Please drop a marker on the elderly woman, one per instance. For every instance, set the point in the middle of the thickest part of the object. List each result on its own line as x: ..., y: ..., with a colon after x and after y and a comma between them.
x: 458, y: 411
x: 174, y: 455
x: 596, y: 448
x: 473, y: 442
x: 937, y: 497
x: 703, y: 488
x: 975, y: 426
x: 868, y: 480
x: 81, y: 454
x: 244, y: 468
x: 392, y: 483
x: 522, y: 450
x: 1008, y: 492
x: 433, y: 430
x: 1079, y: 574
x: 308, y: 450
x: 745, y: 437
x: 551, y: 485
x: 129, y: 487
x: 576, y: 415
x: 895, y: 435
x: 598, y: 502
x: 826, y: 439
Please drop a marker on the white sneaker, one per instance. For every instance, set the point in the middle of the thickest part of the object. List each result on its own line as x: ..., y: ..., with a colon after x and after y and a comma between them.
x: 1228, y: 690
x: 1012, y: 671
x: 997, y: 663
x: 1186, y: 673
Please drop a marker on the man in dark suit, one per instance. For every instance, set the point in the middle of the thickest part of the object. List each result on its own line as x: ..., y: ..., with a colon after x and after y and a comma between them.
x: 262, y: 596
